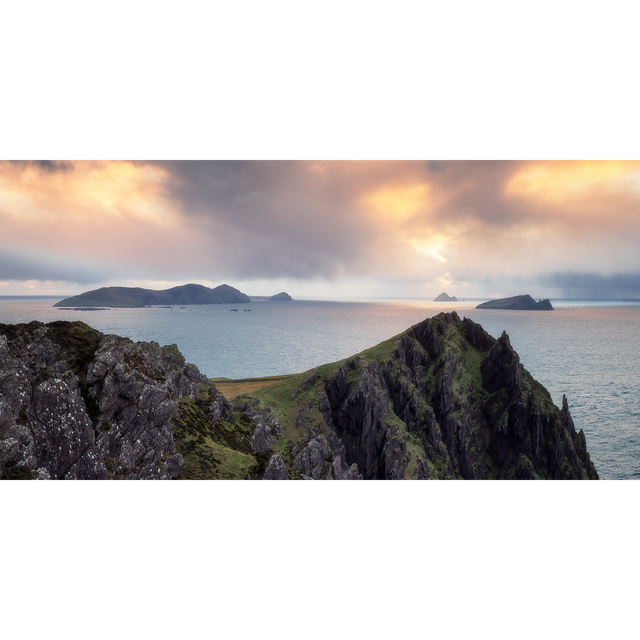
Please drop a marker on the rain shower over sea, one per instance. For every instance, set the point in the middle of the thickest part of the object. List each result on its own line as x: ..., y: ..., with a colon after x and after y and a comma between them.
x: 585, y: 349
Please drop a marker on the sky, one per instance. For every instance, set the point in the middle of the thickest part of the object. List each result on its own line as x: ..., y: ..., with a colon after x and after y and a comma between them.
x: 340, y: 229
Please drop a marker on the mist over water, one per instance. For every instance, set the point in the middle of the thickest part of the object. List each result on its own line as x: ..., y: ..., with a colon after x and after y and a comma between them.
x: 587, y: 350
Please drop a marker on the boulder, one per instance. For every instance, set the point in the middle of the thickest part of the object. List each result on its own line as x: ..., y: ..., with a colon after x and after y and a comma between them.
x: 276, y: 469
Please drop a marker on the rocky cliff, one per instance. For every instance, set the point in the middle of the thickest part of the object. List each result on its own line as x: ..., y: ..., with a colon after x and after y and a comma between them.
x: 76, y: 404
x: 442, y: 400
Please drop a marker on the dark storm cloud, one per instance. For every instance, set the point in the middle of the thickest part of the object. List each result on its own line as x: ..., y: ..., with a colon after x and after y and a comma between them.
x: 53, y: 166
x: 271, y: 219
x: 594, y: 285
x: 49, y: 166
x: 436, y: 165
x: 475, y: 190
x: 20, y: 265
x: 307, y: 220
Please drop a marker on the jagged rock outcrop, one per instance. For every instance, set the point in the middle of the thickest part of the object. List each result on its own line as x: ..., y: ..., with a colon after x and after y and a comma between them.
x: 442, y: 400
x: 267, y: 426
x: 276, y: 469
x: 75, y: 404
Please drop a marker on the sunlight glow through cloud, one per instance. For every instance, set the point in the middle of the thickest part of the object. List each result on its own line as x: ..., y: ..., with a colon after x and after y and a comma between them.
x: 388, y: 226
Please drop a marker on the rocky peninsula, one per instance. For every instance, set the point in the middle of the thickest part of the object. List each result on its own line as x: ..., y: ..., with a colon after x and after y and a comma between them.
x: 441, y: 400
x: 517, y: 303
x: 136, y: 297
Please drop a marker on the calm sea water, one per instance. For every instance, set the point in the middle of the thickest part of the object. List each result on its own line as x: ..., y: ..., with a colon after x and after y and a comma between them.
x: 587, y: 350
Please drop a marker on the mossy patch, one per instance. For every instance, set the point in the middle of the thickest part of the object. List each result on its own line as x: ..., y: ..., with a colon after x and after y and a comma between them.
x: 79, y: 343
x: 213, y: 450
x: 18, y: 472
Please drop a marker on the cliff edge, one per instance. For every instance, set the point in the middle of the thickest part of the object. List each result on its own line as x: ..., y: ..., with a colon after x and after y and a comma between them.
x: 76, y: 404
x: 441, y: 400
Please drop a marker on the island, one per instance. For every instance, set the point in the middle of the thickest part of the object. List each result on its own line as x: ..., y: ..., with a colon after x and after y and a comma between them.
x: 130, y: 297
x: 443, y: 297
x: 282, y: 296
x: 518, y: 303
x: 279, y: 297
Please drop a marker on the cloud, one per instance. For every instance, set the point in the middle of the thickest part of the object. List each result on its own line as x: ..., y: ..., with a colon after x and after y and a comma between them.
x: 48, y: 166
x: 594, y: 285
x: 53, y: 166
x: 28, y: 265
x: 464, y: 222
x: 436, y: 165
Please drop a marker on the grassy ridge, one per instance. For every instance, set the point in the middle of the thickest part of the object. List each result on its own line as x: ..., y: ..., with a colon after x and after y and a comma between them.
x: 233, y: 388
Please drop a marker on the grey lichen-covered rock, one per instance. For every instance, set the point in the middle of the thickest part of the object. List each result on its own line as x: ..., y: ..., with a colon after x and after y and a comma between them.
x: 75, y: 404
x: 276, y: 470
x: 267, y: 425
x: 219, y: 408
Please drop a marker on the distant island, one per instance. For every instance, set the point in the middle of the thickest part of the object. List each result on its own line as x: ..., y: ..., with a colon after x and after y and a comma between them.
x: 521, y: 303
x: 137, y: 297
x: 443, y: 297
x: 279, y: 297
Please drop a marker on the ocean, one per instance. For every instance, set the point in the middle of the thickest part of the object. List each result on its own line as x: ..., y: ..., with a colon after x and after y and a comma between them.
x: 585, y: 349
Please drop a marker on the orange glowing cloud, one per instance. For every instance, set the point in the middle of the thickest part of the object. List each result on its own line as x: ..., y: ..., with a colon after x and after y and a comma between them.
x: 117, y: 213
x: 398, y: 204
x: 91, y: 191
x: 403, y: 213
x: 562, y: 181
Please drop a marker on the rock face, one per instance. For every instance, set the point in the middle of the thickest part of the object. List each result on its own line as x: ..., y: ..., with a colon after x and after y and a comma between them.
x: 137, y: 297
x: 517, y: 303
x: 443, y: 297
x: 442, y: 400
x: 75, y: 404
